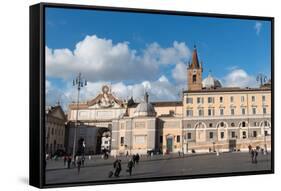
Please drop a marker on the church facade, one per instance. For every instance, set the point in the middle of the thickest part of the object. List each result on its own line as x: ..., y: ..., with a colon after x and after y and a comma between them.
x: 209, y: 118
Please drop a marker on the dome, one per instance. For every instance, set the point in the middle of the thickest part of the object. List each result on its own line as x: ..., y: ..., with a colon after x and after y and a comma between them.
x: 144, y: 108
x: 211, y: 82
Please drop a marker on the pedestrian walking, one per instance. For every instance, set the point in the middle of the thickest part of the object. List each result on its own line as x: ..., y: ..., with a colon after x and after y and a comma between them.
x: 83, y: 161
x: 137, y: 158
x: 79, y: 162
x: 130, y: 166
x: 64, y: 160
x: 134, y: 158
x: 118, y: 167
x: 68, y: 161
x: 127, y: 154
x: 250, y: 148
x: 179, y: 153
x: 253, y: 155
x: 256, y: 156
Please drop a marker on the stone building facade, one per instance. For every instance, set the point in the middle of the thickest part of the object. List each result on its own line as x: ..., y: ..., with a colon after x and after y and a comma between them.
x: 209, y: 117
x: 55, y: 129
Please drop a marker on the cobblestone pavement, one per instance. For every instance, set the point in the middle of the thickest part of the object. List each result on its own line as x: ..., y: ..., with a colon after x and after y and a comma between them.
x: 97, y: 169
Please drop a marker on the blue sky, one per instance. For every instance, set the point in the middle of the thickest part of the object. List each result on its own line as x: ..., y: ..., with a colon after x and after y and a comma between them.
x: 224, y: 45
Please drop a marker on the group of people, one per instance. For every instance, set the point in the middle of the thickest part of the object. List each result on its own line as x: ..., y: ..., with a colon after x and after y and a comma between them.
x: 78, y: 162
x: 254, y: 153
x: 118, y: 166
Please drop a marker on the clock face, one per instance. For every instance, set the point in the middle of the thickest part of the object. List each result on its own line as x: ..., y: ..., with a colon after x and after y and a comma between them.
x: 105, y: 89
x: 194, y: 71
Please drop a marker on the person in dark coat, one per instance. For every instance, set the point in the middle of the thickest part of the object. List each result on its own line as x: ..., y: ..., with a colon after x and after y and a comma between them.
x: 79, y: 162
x: 64, y: 160
x: 130, y: 166
x: 134, y: 158
x: 83, y: 161
x: 68, y: 161
x: 117, y: 166
x: 252, y: 155
x: 256, y: 156
x: 137, y: 158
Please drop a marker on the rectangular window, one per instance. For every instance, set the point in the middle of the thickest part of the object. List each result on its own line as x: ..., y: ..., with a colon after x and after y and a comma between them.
x: 244, y: 135
x: 161, y: 139
x: 233, y: 134
x: 188, y: 135
x: 242, y: 98
x: 189, y: 100
x: 210, y: 100
x: 232, y: 111
x: 263, y: 98
x: 200, y: 112
x: 221, y: 111
x: 264, y: 110
x: 222, y: 135
x: 211, y: 135
x: 178, y: 138
x: 200, y: 100
x: 122, y: 141
x: 265, y: 133
x: 253, y: 98
x: 221, y: 99
x: 254, y: 111
x: 254, y: 134
x: 209, y: 112
x: 189, y: 113
x: 231, y: 99
x: 243, y: 111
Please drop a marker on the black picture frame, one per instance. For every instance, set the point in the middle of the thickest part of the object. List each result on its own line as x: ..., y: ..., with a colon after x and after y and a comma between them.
x: 37, y: 93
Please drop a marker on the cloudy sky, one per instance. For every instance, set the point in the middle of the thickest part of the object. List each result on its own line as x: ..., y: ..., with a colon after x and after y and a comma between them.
x: 136, y: 52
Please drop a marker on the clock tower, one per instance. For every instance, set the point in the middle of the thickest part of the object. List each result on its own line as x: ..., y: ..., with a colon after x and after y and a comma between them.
x: 194, y: 73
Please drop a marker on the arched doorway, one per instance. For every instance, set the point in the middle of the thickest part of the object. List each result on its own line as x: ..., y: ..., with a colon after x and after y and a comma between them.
x: 169, y: 141
x: 103, y: 140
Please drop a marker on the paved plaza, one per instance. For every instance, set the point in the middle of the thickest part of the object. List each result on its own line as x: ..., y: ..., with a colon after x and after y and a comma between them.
x: 157, y: 166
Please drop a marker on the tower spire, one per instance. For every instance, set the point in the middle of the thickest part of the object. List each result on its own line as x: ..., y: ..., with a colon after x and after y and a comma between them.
x: 195, y: 61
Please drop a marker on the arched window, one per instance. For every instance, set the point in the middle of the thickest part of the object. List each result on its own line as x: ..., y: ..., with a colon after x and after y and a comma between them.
x: 194, y: 78
x: 243, y: 124
x: 200, y: 125
x: 221, y: 124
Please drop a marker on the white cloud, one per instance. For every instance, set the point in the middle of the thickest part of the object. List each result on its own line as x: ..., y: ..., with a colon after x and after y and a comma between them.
x: 179, y: 73
x: 258, y: 27
x: 100, y: 59
x: 157, y: 54
x: 160, y: 89
x: 239, y: 78
x: 47, y: 86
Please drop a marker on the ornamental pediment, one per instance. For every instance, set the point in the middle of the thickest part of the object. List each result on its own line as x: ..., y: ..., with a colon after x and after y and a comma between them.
x: 105, y: 100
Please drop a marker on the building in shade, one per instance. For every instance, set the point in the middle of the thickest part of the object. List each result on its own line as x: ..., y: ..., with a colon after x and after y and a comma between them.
x: 210, y: 117
x: 55, y: 120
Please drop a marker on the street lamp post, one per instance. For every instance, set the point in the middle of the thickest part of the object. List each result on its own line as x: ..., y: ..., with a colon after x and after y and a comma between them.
x: 79, y: 82
x: 264, y: 134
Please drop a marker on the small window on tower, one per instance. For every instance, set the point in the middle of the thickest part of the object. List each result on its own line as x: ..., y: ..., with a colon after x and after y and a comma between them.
x: 194, y: 78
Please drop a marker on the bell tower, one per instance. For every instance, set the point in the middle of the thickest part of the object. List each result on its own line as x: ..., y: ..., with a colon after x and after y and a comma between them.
x: 194, y: 73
